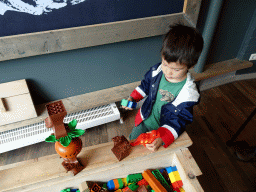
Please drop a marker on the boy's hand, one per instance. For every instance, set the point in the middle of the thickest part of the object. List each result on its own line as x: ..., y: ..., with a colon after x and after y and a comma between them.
x: 128, y: 108
x: 155, y: 144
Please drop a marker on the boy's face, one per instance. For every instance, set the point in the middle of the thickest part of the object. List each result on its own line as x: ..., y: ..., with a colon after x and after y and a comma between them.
x: 173, y: 71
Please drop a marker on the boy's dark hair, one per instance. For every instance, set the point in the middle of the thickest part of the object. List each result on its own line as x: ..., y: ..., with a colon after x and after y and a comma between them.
x: 182, y: 44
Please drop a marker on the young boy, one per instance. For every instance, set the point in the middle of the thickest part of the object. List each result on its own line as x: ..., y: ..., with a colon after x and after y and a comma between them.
x: 169, y: 87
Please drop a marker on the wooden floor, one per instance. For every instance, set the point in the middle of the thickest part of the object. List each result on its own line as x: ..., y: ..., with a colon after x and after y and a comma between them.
x: 222, y: 110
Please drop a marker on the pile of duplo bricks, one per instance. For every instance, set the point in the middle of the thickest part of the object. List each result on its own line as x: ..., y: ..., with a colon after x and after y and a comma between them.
x: 163, y: 180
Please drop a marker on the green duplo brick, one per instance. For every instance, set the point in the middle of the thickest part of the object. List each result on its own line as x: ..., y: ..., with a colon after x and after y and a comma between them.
x: 124, y: 102
x: 133, y: 187
x: 121, y: 183
x: 161, y: 179
x: 134, y: 178
x: 104, y: 186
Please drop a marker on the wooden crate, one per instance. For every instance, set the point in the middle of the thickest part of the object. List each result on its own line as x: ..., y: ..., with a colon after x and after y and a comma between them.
x: 179, y: 159
x: 47, y: 174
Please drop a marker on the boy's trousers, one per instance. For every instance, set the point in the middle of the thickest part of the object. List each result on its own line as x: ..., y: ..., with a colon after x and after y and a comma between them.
x: 141, y: 128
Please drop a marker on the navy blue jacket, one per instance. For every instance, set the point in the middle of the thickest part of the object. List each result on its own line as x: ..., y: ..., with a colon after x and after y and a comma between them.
x: 176, y: 114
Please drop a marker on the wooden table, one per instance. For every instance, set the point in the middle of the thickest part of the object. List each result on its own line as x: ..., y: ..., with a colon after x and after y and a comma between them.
x: 47, y: 174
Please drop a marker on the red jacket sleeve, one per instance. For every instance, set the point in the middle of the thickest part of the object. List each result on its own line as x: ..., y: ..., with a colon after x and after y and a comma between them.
x: 166, y: 136
x: 143, y: 89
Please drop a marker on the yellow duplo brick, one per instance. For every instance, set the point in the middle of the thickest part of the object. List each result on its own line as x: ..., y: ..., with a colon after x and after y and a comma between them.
x: 177, y: 175
x: 124, y: 181
x: 174, y: 176
x: 118, y: 190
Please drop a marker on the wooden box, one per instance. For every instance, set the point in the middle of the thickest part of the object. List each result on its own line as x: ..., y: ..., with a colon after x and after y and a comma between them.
x: 179, y: 159
x: 47, y: 174
x: 15, y: 102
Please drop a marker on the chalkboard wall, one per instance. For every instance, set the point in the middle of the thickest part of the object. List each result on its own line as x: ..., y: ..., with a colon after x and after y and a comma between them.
x: 25, y: 16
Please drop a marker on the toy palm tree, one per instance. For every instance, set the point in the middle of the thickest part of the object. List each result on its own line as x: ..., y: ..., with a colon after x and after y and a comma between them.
x: 66, y: 137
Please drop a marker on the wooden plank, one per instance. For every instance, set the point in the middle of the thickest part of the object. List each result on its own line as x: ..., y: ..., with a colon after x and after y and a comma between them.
x: 31, y: 44
x: 190, y: 161
x: 221, y: 68
x: 13, y: 88
x: 184, y: 168
x: 48, y: 171
x: 191, y: 9
x: 182, y: 142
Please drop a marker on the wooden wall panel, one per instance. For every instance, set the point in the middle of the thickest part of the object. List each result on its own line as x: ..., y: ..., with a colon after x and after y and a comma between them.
x: 191, y: 9
x: 26, y: 45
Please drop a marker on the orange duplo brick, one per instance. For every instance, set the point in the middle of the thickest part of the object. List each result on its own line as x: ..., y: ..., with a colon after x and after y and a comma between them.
x: 116, y: 184
x: 153, y: 182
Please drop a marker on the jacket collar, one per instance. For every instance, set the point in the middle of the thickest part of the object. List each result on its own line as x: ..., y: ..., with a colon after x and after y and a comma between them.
x: 157, y: 70
x: 188, y: 93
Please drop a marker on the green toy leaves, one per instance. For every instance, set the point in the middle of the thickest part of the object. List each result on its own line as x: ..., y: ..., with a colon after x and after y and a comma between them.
x: 72, y: 124
x: 78, y: 132
x: 65, y: 141
x: 51, y: 138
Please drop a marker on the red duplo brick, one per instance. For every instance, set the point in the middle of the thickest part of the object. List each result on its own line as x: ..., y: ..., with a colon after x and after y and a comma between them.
x: 127, y: 189
x: 177, y: 184
x: 142, y: 182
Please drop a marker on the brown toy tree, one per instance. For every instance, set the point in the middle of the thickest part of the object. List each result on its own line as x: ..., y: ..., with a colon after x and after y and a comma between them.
x: 66, y: 137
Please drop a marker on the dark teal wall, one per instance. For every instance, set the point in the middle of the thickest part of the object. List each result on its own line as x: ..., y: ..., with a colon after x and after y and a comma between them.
x: 65, y: 74
x: 249, y: 46
x: 231, y: 30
